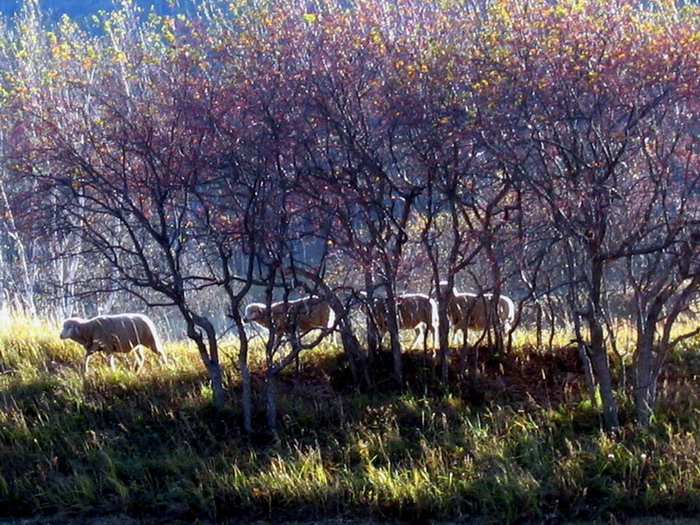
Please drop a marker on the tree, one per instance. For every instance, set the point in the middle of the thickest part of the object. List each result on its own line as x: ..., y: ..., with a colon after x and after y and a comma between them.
x: 588, y: 95
x: 261, y: 148
x: 94, y: 132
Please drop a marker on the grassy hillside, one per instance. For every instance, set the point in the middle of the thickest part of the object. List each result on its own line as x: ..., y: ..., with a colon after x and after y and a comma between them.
x: 520, y: 445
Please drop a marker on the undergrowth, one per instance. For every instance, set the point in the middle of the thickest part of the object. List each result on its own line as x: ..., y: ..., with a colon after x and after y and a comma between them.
x: 520, y: 444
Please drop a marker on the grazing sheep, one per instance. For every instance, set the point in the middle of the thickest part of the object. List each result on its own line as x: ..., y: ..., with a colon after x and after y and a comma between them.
x: 473, y: 311
x: 414, y: 312
x: 292, y: 317
x: 113, y: 333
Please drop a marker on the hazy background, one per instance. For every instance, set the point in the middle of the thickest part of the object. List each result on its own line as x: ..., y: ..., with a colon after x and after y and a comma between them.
x: 78, y: 9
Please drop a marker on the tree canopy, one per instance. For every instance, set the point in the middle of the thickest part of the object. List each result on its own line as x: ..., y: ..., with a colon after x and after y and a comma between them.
x: 548, y: 149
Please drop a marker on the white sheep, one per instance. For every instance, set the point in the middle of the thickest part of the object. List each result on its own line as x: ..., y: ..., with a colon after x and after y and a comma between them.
x: 113, y: 334
x: 414, y: 311
x: 292, y: 317
x: 476, y: 312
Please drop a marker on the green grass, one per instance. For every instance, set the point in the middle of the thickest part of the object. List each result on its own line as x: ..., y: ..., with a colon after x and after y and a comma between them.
x: 521, y: 445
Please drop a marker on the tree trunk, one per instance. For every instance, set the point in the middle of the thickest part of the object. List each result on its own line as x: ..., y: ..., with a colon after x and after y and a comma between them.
x: 247, y: 389
x: 393, y: 325
x: 599, y: 355
x: 209, y: 354
x: 644, y: 384
x: 352, y: 350
x: 584, y: 356
x: 583, y: 351
x: 538, y: 324
x: 444, y: 326
x: 271, y: 398
x: 646, y: 368
x: 247, y: 393
x: 217, y: 386
x: 494, y: 309
x: 351, y: 345
x: 273, y: 371
x: 235, y: 300
x: 372, y: 336
x: 601, y: 367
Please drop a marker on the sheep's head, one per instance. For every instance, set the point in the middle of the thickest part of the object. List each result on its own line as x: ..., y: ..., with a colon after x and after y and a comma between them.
x: 445, y: 288
x: 254, y: 312
x: 71, y: 329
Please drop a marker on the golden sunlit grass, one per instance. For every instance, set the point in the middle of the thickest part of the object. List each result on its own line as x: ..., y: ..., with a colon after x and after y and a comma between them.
x: 523, y: 444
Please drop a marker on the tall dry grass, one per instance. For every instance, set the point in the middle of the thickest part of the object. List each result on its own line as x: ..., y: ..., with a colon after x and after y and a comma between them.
x: 522, y: 444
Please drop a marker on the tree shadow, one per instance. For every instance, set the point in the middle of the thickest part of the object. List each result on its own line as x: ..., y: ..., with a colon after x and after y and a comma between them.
x: 144, y: 445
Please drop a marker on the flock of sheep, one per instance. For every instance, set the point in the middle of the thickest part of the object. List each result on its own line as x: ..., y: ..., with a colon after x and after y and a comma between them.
x: 465, y: 311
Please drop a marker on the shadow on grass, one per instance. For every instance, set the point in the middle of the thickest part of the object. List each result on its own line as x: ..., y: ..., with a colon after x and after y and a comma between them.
x: 152, y: 445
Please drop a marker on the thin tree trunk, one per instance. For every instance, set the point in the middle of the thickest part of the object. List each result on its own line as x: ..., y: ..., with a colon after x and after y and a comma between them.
x: 247, y: 393
x: 393, y: 326
x: 235, y: 300
x: 271, y: 398
x: 599, y: 355
x: 648, y: 363
x: 246, y: 382
x: 583, y: 349
x: 352, y: 349
x: 351, y: 345
x: 538, y: 324
x: 644, y: 390
x: 601, y: 367
x: 444, y: 327
x: 209, y: 353
x: 372, y: 336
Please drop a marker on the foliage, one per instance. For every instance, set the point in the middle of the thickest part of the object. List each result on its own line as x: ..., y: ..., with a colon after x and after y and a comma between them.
x: 546, y: 149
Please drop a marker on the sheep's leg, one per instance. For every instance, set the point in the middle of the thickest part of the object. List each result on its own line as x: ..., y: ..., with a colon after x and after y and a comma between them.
x: 433, y: 339
x: 380, y: 340
x: 452, y: 337
x: 334, y: 337
x: 419, y: 331
x: 86, y: 361
x: 111, y: 361
x: 428, y: 340
x: 140, y: 358
x: 160, y: 353
x: 90, y: 350
x: 424, y: 331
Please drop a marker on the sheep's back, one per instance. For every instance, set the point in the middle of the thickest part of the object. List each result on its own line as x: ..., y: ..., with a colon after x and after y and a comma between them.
x: 125, y: 331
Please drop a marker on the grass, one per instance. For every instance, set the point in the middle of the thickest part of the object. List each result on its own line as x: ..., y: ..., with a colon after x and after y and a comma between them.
x: 521, y: 445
